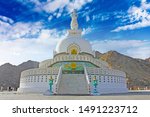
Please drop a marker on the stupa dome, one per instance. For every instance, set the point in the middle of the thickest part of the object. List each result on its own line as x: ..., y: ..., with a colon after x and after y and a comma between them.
x: 74, y: 43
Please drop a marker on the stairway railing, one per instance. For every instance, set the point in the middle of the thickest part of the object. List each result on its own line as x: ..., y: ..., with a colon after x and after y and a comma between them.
x: 58, y: 80
x: 87, y: 79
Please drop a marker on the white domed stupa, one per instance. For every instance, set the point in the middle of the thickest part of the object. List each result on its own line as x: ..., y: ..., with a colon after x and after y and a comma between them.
x: 74, y: 41
x: 73, y: 70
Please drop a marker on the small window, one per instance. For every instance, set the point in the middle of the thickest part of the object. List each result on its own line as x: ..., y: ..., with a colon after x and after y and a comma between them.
x: 35, y: 79
x: 45, y: 79
x: 38, y: 79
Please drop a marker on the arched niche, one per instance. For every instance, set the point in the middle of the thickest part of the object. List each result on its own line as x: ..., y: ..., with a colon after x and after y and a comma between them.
x: 73, y: 49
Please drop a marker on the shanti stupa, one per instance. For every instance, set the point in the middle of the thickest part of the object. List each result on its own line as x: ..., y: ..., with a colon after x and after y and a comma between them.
x: 74, y: 69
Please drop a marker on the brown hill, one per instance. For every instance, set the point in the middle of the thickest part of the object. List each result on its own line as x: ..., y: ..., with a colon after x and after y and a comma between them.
x: 137, y: 70
x: 148, y: 59
x: 97, y: 54
x: 10, y: 74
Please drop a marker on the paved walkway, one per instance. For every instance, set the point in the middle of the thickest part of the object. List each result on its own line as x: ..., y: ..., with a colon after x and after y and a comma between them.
x: 132, y: 95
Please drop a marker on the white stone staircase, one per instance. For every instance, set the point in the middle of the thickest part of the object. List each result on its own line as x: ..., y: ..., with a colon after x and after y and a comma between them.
x: 73, y: 84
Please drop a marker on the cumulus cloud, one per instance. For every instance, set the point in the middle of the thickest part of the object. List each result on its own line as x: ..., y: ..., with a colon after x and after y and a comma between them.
x: 143, y: 23
x: 144, y: 4
x: 27, y: 41
x: 133, y: 48
x: 50, y: 6
x: 140, y: 52
x: 55, y: 7
x: 139, y: 17
x: 22, y: 49
x: 19, y: 29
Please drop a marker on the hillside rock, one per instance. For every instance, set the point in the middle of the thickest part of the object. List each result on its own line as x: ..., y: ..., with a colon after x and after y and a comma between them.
x: 148, y: 59
x: 137, y: 70
x: 10, y: 74
x: 97, y: 54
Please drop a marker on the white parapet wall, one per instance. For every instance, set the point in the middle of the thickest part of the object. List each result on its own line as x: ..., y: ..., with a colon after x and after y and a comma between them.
x: 109, y: 81
x: 37, y: 80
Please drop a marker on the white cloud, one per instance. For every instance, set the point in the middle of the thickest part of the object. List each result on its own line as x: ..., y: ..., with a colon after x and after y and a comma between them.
x: 87, y: 30
x: 77, y: 4
x: 6, y: 19
x: 140, y: 52
x: 144, y: 4
x: 38, y: 49
x: 16, y: 44
x: 17, y: 30
x: 143, y: 23
x: 139, y: 17
x: 101, y: 16
x: 51, y: 6
x: 41, y: 48
x: 87, y: 18
x: 133, y: 48
x: 55, y: 7
x: 50, y: 18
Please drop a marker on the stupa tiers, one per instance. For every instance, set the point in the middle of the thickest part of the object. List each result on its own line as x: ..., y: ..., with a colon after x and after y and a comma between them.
x: 74, y: 70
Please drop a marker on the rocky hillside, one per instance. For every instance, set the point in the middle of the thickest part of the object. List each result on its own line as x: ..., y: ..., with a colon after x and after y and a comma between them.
x: 137, y: 70
x: 97, y: 54
x: 148, y: 59
x: 10, y: 74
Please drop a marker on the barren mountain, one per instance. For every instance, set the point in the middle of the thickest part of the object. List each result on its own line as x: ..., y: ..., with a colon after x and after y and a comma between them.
x: 98, y: 54
x: 137, y: 70
x: 148, y: 59
x: 10, y: 74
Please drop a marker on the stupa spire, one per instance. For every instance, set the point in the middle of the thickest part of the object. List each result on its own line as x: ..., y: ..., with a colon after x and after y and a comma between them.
x: 74, y: 22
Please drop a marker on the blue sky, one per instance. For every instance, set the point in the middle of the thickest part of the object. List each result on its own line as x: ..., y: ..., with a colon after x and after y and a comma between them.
x: 30, y: 29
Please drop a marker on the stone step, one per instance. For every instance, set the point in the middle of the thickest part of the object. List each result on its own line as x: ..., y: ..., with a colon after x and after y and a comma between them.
x: 73, y: 84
